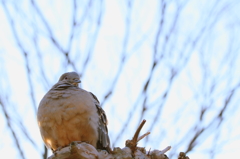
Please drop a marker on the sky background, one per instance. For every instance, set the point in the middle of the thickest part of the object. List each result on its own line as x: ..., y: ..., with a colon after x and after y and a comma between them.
x: 174, y: 63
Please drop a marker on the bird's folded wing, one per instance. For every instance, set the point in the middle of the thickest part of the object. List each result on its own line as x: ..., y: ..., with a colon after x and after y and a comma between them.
x: 104, y: 141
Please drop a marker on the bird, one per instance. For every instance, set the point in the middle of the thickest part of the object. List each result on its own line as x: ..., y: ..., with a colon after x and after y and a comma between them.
x: 68, y: 113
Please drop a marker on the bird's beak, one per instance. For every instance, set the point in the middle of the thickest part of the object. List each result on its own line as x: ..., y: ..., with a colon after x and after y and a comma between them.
x: 78, y: 81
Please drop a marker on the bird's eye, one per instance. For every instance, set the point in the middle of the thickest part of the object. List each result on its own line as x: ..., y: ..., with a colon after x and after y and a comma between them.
x: 65, y: 78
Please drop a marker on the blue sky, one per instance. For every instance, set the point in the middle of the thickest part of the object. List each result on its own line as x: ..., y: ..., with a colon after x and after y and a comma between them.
x: 197, y: 40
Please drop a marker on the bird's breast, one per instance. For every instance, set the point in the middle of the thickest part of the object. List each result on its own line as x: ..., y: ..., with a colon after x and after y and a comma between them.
x: 66, y: 116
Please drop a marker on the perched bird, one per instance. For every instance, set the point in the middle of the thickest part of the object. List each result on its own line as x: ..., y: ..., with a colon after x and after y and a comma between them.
x: 68, y: 113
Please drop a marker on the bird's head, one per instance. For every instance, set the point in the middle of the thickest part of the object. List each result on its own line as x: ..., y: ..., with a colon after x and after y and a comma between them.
x: 70, y: 77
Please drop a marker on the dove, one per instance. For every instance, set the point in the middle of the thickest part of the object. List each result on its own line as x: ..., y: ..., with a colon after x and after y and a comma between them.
x: 68, y: 113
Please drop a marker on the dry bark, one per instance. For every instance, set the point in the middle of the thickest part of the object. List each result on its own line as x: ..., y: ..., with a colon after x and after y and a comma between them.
x: 84, y: 150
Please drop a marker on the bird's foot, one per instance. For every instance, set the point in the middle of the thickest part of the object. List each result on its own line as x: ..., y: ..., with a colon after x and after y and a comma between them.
x: 55, y: 151
x: 77, y: 142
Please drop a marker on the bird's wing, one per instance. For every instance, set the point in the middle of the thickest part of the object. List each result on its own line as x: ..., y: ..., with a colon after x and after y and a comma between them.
x: 103, y: 139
